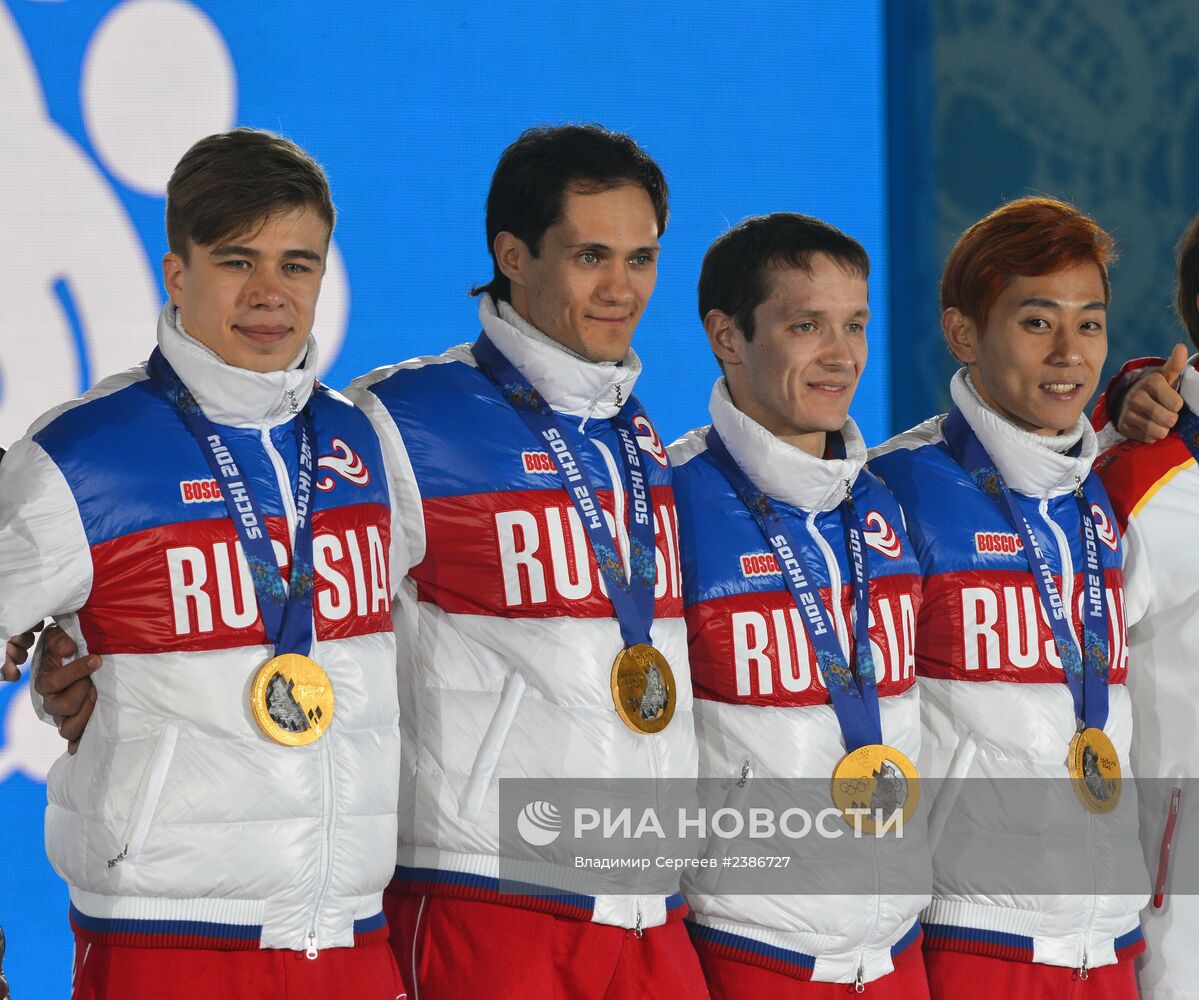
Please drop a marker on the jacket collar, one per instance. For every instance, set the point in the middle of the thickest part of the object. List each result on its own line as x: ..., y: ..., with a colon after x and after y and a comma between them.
x: 230, y: 396
x: 781, y: 470
x: 1021, y: 457
x: 567, y: 381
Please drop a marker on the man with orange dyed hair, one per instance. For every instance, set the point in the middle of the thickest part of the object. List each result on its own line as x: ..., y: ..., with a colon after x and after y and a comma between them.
x: 1020, y: 648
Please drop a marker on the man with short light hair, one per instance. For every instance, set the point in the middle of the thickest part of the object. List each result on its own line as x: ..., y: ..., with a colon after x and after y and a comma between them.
x: 230, y: 821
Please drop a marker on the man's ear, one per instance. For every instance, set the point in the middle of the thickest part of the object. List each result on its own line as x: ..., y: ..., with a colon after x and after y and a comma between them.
x: 172, y: 275
x: 961, y: 335
x: 512, y: 256
x: 723, y: 337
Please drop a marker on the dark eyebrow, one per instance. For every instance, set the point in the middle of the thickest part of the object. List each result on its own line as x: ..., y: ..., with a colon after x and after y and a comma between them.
x: 865, y: 311
x: 231, y: 250
x: 653, y: 248
x: 311, y: 255
x: 219, y: 253
x: 1051, y: 304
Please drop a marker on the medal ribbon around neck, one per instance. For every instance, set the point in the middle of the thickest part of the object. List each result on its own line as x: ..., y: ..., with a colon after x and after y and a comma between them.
x: 632, y: 598
x: 291, y: 697
x: 853, y: 693
x: 286, y: 612
x: 1086, y: 673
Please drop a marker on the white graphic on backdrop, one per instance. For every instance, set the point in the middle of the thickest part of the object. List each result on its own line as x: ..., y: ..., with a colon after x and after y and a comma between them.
x: 80, y: 293
x: 64, y: 230
x: 28, y: 746
x: 156, y: 77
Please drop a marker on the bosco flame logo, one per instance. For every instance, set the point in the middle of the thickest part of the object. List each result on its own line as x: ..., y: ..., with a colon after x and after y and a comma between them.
x: 649, y: 441
x: 881, y: 536
x: 1104, y: 528
x: 345, y: 463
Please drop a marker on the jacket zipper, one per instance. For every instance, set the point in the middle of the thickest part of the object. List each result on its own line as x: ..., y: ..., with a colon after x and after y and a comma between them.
x: 834, y: 584
x: 1067, y: 589
x: 842, y: 629
x: 156, y: 777
x: 623, y: 545
x: 328, y: 803
x: 1163, y: 858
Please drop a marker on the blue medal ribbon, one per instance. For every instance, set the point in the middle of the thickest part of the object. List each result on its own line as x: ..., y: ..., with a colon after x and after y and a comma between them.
x: 852, y: 692
x: 632, y: 598
x: 1086, y: 670
x: 286, y: 611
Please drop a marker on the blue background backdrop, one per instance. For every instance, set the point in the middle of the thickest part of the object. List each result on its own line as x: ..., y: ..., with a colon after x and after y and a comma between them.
x: 408, y: 107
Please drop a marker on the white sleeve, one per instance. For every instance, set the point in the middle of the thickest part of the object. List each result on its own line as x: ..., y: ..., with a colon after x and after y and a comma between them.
x: 407, y: 511
x: 45, y: 560
x: 1138, y: 583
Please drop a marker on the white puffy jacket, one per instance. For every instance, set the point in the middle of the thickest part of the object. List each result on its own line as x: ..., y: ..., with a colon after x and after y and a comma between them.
x: 506, y: 641
x: 179, y: 823
x: 995, y: 705
x: 1155, y: 494
x: 763, y: 712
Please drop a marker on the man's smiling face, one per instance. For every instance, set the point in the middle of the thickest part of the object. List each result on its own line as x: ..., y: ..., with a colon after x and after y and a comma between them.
x: 251, y: 298
x: 593, y: 274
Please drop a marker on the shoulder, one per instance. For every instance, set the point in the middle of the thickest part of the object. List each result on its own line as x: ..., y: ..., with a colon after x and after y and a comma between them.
x: 414, y: 372
x: 689, y: 446
x: 117, y: 401
x: 911, y: 440
x: 905, y: 460
x: 1133, y: 472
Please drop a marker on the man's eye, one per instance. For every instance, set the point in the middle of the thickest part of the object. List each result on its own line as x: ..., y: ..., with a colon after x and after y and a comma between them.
x: 293, y: 268
x: 1036, y: 323
x: 807, y: 326
x: 1092, y: 326
x: 237, y: 265
x: 856, y: 327
x: 589, y: 257
x: 642, y: 260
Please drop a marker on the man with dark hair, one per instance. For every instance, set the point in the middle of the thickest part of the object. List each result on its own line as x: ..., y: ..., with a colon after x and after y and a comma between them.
x: 1153, y: 479
x: 1020, y: 643
x: 779, y: 476
x: 542, y: 167
x: 229, y: 823
x: 540, y: 629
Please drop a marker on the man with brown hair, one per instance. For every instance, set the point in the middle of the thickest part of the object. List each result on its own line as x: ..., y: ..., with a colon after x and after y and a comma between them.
x: 232, y: 817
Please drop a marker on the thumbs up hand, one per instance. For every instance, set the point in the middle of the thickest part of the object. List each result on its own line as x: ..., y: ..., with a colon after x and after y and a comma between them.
x: 1152, y: 405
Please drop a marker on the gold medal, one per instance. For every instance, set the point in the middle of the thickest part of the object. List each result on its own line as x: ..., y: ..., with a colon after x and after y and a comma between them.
x: 292, y: 700
x: 1094, y: 770
x: 643, y: 688
x: 878, y: 779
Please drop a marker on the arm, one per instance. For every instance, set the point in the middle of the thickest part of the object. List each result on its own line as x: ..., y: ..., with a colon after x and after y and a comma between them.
x: 46, y: 559
x: 43, y: 548
x: 407, y: 510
